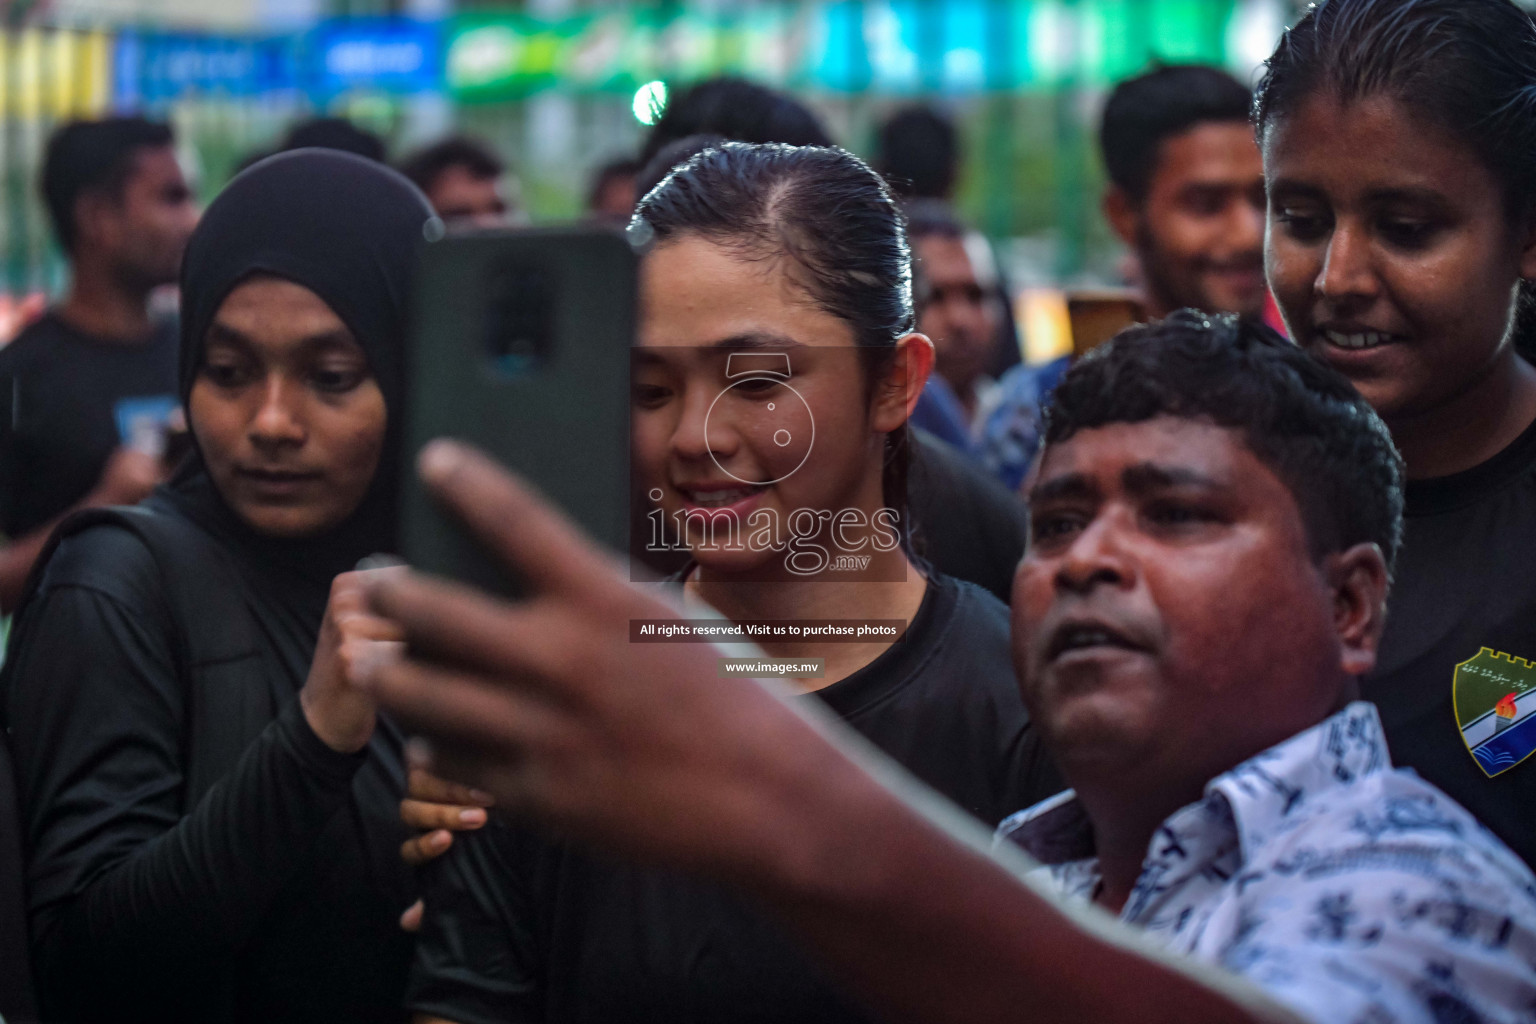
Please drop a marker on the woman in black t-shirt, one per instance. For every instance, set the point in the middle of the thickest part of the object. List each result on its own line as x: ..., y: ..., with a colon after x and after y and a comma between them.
x: 1399, y: 144
x: 774, y: 374
x: 209, y: 809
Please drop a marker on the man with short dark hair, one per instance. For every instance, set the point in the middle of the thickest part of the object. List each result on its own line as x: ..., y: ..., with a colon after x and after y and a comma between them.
x: 334, y: 133
x: 735, y: 109
x: 960, y: 305
x: 88, y: 391
x: 463, y: 180
x: 1186, y: 189
x: 918, y: 153
x: 955, y: 295
x: 1213, y: 524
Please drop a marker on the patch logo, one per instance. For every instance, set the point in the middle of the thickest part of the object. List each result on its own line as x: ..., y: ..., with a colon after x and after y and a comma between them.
x: 1495, y: 699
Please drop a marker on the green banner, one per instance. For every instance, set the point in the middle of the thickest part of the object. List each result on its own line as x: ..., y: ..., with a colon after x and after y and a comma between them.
x: 892, y: 46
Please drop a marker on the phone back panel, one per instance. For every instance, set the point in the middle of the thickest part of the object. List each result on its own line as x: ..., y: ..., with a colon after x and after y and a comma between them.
x: 520, y: 344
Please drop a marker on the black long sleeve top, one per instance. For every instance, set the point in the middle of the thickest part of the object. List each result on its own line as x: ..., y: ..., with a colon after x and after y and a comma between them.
x: 275, y: 897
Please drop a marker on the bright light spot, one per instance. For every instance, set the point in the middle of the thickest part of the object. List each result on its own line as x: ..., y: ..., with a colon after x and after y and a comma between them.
x: 1252, y: 33
x: 650, y: 101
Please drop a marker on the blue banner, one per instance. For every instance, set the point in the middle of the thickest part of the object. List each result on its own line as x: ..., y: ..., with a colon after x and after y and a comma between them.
x: 388, y: 55
x: 150, y: 68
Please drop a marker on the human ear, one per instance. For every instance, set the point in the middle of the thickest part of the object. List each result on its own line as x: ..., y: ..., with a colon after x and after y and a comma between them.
x: 1122, y: 214
x: 95, y: 219
x: 1528, y: 251
x: 901, y: 384
x: 1358, y: 578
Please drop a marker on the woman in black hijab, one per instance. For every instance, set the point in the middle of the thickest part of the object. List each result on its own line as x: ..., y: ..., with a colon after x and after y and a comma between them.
x: 210, y: 813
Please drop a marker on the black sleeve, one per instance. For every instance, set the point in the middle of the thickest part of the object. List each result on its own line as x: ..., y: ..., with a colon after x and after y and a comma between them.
x: 126, y: 894
x: 10, y: 474
x: 477, y: 957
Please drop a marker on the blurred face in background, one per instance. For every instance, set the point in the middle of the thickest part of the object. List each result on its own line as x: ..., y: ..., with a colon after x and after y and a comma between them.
x: 144, y: 230
x: 468, y: 200
x: 1199, y: 232
x: 955, y: 309
x: 614, y: 200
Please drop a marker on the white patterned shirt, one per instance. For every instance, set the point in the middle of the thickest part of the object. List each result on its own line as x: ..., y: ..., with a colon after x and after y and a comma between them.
x: 1352, y: 892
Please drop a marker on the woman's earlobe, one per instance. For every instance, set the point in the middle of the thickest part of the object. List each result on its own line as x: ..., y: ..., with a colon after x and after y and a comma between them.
x: 914, y: 357
x: 1528, y: 257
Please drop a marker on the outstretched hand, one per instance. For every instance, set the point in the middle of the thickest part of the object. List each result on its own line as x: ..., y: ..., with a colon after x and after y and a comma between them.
x: 547, y: 705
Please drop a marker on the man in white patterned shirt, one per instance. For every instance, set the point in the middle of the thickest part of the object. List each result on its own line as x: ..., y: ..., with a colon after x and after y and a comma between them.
x: 1352, y: 890
x: 1234, y: 797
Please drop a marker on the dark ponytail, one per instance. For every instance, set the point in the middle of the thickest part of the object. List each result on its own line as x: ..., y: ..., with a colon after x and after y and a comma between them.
x: 1468, y: 66
x: 821, y: 208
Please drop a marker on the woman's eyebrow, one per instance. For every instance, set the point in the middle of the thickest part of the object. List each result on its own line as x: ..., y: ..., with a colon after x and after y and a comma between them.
x: 1292, y: 187
x: 223, y: 334
x: 327, y: 341
x: 1407, y: 194
x: 323, y: 341
x: 757, y: 339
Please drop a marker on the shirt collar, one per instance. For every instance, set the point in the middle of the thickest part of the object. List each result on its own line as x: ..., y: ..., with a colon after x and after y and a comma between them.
x: 1053, y: 831
x: 1269, y: 793
x: 1263, y: 796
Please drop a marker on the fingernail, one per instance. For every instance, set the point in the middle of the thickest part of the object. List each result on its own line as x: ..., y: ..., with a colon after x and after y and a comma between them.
x: 472, y: 816
x: 379, y: 560
x: 480, y: 796
x: 439, y: 839
x: 366, y: 664
x: 439, y: 459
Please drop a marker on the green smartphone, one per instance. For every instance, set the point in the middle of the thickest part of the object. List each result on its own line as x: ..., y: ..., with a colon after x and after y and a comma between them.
x: 519, y: 343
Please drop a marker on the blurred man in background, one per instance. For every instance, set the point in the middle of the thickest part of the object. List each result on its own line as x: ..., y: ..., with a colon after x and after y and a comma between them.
x: 464, y: 180
x: 1187, y: 189
x: 334, y: 133
x: 88, y: 391
x: 918, y: 154
x: 958, y: 307
x: 738, y: 110
x: 325, y: 133
x: 612, y: 195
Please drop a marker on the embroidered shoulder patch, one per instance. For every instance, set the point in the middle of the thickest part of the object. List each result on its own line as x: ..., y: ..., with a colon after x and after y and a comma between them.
x: 1495, y: 699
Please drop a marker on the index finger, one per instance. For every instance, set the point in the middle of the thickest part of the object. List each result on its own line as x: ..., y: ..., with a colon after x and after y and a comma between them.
x: 521, y: 527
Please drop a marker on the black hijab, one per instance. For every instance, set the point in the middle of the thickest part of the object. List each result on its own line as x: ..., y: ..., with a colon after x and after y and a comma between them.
x: 347, y: 229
